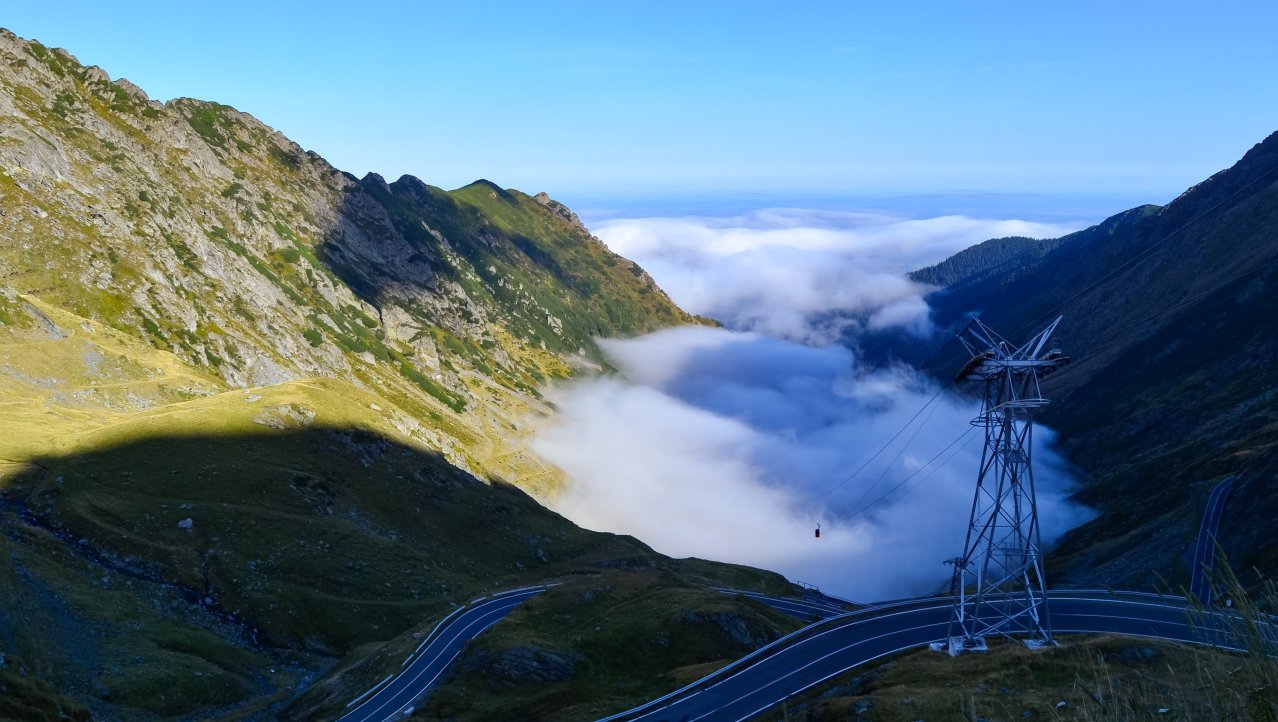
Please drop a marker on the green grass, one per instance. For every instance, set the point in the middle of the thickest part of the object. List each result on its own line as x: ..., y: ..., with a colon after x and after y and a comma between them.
x: 449, y: 399
x: 631, y: 635
x: 1097, y: 678
x: 210, y: 123
x: 51, y: 59
x: 322, y: 539
x: 116, y: 642
x: 25, y: 697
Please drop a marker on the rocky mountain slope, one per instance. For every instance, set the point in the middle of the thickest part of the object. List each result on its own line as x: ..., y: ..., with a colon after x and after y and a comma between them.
x: 213, y: 238
x: 262, y: 417
x: 1169, y: 315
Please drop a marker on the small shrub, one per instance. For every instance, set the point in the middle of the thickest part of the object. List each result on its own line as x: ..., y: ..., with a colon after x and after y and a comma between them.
x: 449, y: 399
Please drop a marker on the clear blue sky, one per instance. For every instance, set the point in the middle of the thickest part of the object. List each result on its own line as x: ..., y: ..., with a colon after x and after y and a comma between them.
x: 605, y: 98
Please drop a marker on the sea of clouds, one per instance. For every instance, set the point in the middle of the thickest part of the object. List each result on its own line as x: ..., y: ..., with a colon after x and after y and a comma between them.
x: 735, y: 443
x: 804, y: 275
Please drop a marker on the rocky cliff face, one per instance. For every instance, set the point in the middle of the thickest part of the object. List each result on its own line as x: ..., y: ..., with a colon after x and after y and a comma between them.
x: 237, y: 385
x: 215, y: 239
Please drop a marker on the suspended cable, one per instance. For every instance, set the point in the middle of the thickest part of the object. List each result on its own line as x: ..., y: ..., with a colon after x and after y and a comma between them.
x: 913, y: 474
x: 1109, y: 275
x: 888, y: 466
x: 1195, y: 299
x: 939, y: 466
x: 883, y: 448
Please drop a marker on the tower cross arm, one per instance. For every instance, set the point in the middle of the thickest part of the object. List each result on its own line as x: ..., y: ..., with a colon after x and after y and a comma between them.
x: 1034, y: 346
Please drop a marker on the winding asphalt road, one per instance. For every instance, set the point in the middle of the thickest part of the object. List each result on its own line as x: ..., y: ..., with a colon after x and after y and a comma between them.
x: 1205, y: 551
x: 390, y: 700
x: 810, y: 607
x: 839, y: 642
x: 826, y: 649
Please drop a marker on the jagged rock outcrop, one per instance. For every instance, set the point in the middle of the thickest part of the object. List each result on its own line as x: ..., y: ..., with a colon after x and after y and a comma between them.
x: 259, y: 413
x: 215, y: 238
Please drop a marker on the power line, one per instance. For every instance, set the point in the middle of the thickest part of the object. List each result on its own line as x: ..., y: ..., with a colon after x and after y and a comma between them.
x: 888, y: 466
x: 883, y: 448
x: 938, y: 467
x: 1195, y: 299
x: 913, y: 474
x: 1109, y: 275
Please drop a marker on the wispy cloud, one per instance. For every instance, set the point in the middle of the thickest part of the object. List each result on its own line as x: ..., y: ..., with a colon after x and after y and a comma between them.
x: 978, y: 71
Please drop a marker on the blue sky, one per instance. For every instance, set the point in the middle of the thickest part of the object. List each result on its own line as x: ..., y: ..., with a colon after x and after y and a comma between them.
x: 598, y: 100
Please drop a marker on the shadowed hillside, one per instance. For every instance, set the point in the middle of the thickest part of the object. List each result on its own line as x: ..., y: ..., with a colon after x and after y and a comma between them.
x: 222, y: 568
x: 264, y: 420
x: 1169, y: 315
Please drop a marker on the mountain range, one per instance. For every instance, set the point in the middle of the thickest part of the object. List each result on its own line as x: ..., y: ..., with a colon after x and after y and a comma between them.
x: 264, y: 421
x: 1169, y: 317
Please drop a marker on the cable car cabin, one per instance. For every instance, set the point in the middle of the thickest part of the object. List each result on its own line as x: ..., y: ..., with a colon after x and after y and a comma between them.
x: 818, y: 531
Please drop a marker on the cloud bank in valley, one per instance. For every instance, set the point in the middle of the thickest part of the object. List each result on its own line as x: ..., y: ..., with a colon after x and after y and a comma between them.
x: 733, y: 444
x: 804, y: 275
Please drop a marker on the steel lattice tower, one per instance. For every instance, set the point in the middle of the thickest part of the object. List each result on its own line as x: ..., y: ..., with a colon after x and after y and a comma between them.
x: 999, y: 577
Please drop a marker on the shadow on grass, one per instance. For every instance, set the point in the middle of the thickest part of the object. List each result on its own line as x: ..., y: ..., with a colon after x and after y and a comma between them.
x: 316, y: 539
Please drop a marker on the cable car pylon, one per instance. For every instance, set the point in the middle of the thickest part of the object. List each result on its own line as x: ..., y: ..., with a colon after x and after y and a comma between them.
x: 998, y: 580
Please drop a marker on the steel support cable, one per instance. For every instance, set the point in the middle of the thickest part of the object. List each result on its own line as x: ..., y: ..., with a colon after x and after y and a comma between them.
x: 1150, y: 249
x: 1113, y: 272
x: 886, y: 444
x: 888, y: 466
x: 913, y: 474
x: 936, y: 468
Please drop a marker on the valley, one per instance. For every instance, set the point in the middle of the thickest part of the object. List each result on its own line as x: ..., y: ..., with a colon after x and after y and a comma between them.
x: 266, y: 423
x: 263, y: 420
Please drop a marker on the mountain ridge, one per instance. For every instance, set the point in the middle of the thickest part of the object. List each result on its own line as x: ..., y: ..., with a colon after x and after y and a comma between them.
x: 1166, y: 315
x: 408, y: 282
x: 264, y: 420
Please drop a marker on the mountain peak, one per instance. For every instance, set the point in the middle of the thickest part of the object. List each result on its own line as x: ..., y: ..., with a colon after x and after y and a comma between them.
x: 375, y: 180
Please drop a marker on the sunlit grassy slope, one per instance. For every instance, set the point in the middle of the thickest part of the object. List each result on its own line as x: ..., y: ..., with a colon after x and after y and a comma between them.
x: 262, y: 421
x: 193, y: 229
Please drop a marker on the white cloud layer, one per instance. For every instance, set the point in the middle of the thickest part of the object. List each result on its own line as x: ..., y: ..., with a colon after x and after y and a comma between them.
x: 803, y: 275
x: 734, y: 444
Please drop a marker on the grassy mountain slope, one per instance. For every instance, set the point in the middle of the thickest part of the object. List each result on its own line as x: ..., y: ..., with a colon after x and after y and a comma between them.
x: 212, y: 237
x: 263, y: 420
x: 617, y: 640
x: 1169, y: 317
